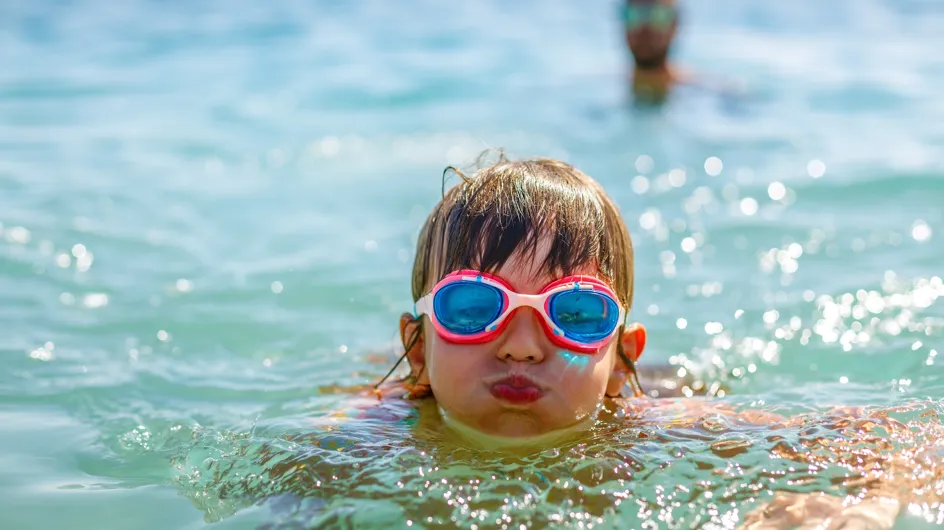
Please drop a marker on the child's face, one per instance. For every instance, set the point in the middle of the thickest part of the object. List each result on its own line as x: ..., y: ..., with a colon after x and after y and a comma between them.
x: 520, y: 383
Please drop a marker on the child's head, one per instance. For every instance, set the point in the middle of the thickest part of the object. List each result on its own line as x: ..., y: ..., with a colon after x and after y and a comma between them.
x: 516, y: 228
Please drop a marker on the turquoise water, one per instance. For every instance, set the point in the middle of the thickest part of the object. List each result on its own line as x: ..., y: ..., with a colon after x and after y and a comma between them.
x: 208, y: 212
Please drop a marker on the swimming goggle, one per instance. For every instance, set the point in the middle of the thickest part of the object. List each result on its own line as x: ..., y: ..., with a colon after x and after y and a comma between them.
x: 579, y: 313
x: 659, y: 16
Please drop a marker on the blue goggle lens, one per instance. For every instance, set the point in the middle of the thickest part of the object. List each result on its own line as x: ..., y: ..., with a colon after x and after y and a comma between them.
x: 467, y: 307
x: 585, y: 316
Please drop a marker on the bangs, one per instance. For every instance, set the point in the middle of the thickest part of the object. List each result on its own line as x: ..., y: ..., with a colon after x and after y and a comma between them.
x: 485, y: 229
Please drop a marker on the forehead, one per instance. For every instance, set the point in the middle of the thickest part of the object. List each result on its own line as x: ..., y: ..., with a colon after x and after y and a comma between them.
x: 526, y: 274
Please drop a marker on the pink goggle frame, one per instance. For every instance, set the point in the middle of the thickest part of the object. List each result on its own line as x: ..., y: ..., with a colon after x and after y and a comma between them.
x: 513, y: 301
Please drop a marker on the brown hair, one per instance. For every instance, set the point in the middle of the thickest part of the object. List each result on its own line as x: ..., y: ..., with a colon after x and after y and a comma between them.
x: 506, y: 207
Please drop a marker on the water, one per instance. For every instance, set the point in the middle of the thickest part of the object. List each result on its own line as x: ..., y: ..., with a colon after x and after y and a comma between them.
x: 209, y: 210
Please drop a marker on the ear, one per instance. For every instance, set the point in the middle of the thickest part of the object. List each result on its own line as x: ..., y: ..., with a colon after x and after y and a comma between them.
x: 633, y: 341
x: 411, y: 335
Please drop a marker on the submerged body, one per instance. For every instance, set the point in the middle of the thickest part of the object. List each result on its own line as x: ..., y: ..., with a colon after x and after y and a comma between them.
x: 312, y: 476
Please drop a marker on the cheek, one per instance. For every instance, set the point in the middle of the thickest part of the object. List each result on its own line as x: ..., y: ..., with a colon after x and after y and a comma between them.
x: 579, y: 373
x: 575, y: 364
x: 452, y: 366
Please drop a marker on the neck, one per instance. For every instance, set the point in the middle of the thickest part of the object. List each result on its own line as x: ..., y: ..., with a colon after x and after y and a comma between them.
x: 653, y: 74
x: 660, y: 68
x: 494, y: 441
x: 654, y: 81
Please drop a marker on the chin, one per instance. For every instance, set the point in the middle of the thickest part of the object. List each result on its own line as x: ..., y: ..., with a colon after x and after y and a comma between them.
x: 517, y: 425
x: 511, y: 429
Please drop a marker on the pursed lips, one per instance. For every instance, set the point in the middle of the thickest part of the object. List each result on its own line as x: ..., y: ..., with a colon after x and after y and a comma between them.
x: 516, y: 389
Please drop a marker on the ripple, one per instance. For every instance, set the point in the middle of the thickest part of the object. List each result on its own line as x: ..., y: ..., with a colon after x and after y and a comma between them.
x: 208, y: 216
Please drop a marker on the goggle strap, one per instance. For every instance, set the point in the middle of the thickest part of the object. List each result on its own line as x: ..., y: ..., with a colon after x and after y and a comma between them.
x: 395, y: 365
x: 634, y: 378
x: 422, y: 306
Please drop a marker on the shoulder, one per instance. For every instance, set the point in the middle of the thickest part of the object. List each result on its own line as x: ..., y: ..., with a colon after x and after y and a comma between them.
x: 388, y: 403
x: 669, y: 412
x: 682, y: 75
x: 731, y: 88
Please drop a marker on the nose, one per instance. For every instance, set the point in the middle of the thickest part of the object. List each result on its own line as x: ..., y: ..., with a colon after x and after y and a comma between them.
x: 523, y: 340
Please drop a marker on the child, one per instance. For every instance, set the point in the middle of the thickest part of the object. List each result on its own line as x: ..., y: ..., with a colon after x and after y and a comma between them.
x: 522, y: 280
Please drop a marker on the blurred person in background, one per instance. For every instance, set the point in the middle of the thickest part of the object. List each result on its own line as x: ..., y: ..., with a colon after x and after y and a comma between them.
x: 650, y: 27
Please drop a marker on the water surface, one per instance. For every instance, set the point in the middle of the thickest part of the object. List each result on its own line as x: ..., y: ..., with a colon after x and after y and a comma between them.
x: 208, y: 213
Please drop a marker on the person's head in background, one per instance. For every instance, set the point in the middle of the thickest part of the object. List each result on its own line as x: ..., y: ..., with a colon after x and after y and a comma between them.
x: 650, y: 28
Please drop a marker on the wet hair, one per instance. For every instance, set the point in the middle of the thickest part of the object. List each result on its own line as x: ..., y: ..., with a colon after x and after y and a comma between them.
x: 504, y: 209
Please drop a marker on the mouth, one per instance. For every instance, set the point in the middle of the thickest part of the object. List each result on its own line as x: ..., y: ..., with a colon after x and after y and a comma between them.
x: 516, y: 390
